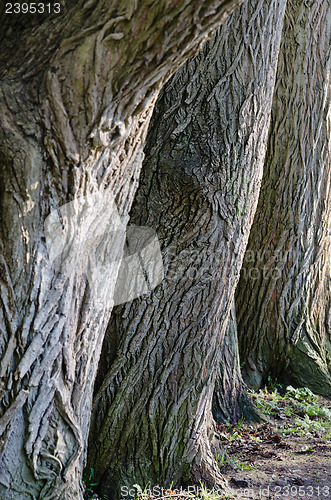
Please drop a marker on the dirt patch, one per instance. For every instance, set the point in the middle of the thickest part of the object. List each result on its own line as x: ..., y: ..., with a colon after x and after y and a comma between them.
x: 287, y: 458
x: 279, y: 469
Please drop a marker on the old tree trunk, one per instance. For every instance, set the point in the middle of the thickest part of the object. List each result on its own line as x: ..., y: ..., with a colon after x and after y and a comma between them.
x: 151, y: 420
x: 283, y: 298
x: 76, y: 92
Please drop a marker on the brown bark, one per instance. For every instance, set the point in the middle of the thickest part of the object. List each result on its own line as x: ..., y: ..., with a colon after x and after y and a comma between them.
x: 283, y: 297
x: 152, y: 412
x: 77, y: 90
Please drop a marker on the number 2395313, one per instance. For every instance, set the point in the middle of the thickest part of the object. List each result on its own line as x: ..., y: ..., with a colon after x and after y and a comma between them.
x: 32, y: 8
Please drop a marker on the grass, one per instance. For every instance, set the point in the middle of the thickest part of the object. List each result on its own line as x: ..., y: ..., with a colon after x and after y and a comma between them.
x: 310, y: 416
x: 221, y: 461
x: 302, y: 427
x: 89, y: 483
x: 232, y: 461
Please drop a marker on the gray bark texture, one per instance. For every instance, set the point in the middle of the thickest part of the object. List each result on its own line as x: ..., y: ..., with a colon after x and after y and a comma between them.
x: 152, y: 419
x: 76, y: 93
x: 231, y: 401
x: 283, y: 297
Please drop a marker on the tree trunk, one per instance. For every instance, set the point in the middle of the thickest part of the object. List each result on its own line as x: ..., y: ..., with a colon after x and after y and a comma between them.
x: 283, y: 297
x: 77, y: 90
x: 152, y: 418
x: 230, y: 400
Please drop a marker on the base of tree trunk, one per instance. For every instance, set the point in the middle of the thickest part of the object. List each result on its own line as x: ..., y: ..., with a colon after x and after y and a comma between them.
x: 305, y: 370
x: 231, y: 400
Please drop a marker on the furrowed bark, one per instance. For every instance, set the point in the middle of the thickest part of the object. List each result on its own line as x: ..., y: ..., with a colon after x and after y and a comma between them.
x: 231, y: 401
x: 283, y: 297
x: 77, y: 91
x: 152, y: 420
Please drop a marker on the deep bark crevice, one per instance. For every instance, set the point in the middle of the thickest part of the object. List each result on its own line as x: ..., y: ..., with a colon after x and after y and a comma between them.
x: 231, y: 401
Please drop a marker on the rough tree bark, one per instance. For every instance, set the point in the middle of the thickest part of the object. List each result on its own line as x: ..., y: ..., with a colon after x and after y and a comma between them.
x: 230, y: 399
x: 151, y: 417
x: 283, y: 297
x: 76, y: 93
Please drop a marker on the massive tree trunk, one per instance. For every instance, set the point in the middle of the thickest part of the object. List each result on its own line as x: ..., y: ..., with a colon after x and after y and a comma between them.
x: 151, y: 417
x: 283, y: 298
x: 77, y: 90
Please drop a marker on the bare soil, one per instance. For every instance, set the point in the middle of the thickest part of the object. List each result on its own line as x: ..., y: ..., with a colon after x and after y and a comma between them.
x: 265, y: 464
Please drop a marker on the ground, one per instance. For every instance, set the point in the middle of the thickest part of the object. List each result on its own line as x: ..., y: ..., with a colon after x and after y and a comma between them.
x: 286, y: 457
